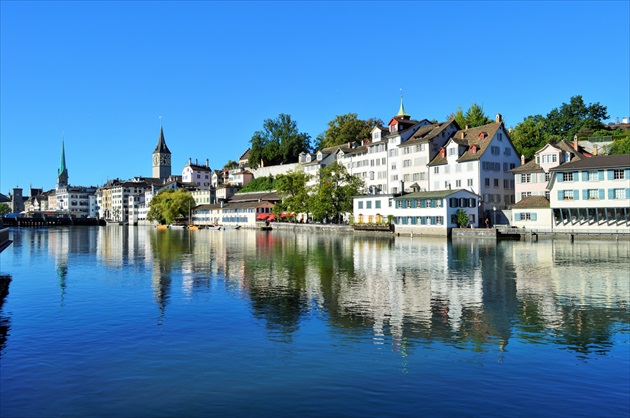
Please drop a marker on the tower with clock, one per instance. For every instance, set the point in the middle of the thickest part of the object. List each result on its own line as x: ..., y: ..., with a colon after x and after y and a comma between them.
x: 161, y: 159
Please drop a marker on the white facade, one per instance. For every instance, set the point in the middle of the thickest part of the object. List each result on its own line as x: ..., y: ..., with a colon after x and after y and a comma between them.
x: 433, y: 213
x: 75, y: 200
x: 373, y: 209
x: 198, y: 174
x: 479, y: 160
x: 593, y: 193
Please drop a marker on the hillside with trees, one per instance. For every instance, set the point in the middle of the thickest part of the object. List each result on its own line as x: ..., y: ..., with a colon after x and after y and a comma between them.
x: 279, y: 142
x: 347, y: 128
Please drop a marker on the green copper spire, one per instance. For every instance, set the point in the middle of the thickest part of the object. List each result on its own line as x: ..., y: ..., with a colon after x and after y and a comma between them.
x: 62, y: 166
x: 401, y: 111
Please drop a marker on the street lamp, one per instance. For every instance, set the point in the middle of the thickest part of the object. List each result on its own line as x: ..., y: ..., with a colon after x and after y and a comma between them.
x: 494, y: 215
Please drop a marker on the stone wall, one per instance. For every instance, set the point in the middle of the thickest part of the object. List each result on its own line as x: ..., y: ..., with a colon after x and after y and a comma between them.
x: 474, y: 233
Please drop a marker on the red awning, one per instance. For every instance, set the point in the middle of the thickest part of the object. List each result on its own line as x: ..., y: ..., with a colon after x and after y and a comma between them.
x: 271, y: 217
x: 262, y: 216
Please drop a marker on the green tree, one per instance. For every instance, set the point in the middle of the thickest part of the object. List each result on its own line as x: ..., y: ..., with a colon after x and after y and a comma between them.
x: 169, y: 204
x: 332, y: 196
x: 529, y: 136
x: 620, y: 146
x: 569, y: 118
x: 291, y: 187
x: 347, y: 128
x: 230, y: 165
x: 260, y: 184
x: 279, y: 142
x: 462, y: 218
x: 4, y: 209
x: 472, y: 118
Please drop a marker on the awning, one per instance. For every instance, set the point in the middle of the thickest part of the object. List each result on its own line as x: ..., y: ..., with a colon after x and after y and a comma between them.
x: 271, y: 217
x: 262, y: 216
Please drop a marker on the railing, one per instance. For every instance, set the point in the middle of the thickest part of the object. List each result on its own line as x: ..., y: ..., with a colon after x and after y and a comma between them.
x: 506, y: 229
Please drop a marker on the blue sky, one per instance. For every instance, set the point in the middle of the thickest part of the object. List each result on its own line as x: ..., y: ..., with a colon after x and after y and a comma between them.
x: 102, y: 73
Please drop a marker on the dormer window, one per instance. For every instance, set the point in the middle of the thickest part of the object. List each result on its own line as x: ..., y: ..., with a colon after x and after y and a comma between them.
x: 473, y: 149
x: 319, y: 156
x: 376, y: 135
x: 308, y: 158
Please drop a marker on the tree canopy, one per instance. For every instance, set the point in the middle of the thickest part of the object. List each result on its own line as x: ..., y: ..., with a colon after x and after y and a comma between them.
x: 4, y: 209
x: 169, y: 204
x: 279, y: 142
x: 260, y: 184
x: 291, y: 187
x: 230, y: 164
x: 346, y: 128
x: 564, y: 122
x: 472, y: 118
x: 332, y: 196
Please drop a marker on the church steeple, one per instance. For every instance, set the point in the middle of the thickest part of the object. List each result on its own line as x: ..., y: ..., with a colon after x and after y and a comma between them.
x: 161, y: 158
x: 401, y: 112
x: 62, y: 173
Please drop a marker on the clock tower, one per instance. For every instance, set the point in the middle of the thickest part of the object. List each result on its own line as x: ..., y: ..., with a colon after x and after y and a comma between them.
x: 161, y: 159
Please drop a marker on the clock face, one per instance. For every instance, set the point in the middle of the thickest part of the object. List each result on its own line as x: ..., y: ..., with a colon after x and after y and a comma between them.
x: 156, y: 159
x: 166, y: 159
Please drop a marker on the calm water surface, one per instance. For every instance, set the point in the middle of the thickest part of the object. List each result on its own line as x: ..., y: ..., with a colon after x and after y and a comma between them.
x: 117, y: 321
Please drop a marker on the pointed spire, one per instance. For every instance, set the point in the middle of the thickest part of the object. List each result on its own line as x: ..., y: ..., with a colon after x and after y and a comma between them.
x: 62, y: 165
x: 161, y: 145
x: 401, y: 111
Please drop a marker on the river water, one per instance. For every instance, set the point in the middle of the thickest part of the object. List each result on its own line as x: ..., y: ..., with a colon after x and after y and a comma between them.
x: 134, y: 322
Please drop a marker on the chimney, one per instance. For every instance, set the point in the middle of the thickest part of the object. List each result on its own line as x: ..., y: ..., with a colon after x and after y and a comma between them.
x: 196, y: 161
x: 499, y: 118
x: 189, y: 160
x: 207, y: 163
x: 462, y: 134
x: 575, y: 142
x: 467, y: 127
x: 594, y: 150
x: 522, y: 159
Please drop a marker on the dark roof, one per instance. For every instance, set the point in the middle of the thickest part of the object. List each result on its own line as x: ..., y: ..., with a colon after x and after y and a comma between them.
x: 600, y: 161
x: 161, y: 145
x: 529, y: 167
x: 427, y: 132
x: 245, y: 155
x: 431, y: 194
x: 255, y: 196
x: 4, y: 199
x: 532, y: 202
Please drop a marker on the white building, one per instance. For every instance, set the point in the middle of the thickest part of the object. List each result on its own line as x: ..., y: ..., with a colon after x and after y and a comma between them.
x: 478, y: 159
x: 433, y: 212
x: 531, y: 178
x: 201, y: 175
x: 593, y: 193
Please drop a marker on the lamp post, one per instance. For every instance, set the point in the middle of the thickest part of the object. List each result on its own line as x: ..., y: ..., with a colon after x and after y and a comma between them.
x: 494, y: 216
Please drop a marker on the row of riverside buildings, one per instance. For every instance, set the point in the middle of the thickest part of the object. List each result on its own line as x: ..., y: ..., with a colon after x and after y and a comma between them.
x: 417, y: 175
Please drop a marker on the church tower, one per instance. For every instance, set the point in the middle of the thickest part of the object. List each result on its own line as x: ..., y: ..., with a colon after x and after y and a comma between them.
x: 62, y: 173
x: 161, y: 159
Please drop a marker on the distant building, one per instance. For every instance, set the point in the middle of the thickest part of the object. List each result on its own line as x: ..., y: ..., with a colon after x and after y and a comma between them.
x: 201, y: 175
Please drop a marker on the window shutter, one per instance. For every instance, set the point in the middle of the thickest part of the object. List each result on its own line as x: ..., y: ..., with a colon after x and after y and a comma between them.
x: 611, y: 193
x: 601, y: 174
x: 611, y: 174
x: 602, y: 194
x: 584, y: 175
x: 473, y: 203
x: 533, y: 216
x: 560, y: 195
x: 576, y: 195
x: 517, y: 216
x: 627, y: 193
x: 559, y: 177
x: 627, y: 174
x: 584, y: 194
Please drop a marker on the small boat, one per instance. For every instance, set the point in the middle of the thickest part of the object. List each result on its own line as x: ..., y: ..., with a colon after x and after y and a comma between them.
x: 193, y: 227
x: 160, y: 226
x: 176, y: 226
x: 226, y: 227
x: 215, y: 227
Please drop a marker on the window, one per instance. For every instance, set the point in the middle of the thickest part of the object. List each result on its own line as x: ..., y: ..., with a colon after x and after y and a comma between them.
x: 618, y: 175
x: 525, y: 194
x: 507, y: 152
x: 452, y: 151
x: 593, y: 175
x: 487, y: 182
x: 360, y: 205
x: 436, y: 170
x: 567, y: 176
x: 406, y: 150
x: 377, y: 204
x: 470, y: 182
x: 496, y: 182
x: 368, y: 204
x: 547, y: 176
x: 407, y: 163
x: 495, y: 150
x: 458, y: 183
x: 567, y: 194
x: 618, y: 193
x: 592, y: 194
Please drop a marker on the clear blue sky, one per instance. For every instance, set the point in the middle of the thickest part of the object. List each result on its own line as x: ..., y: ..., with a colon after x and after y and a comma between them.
x: 103, y: 73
